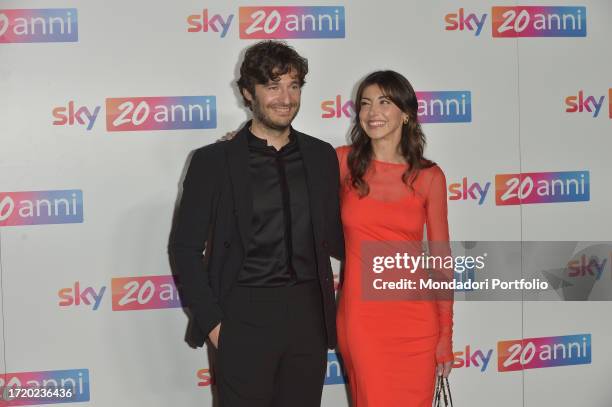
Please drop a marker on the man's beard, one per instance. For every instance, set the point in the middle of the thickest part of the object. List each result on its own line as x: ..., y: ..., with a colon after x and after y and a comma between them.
x: 267, y: 121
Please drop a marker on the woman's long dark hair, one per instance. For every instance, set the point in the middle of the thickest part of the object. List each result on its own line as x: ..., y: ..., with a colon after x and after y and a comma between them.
x: 412, y: 143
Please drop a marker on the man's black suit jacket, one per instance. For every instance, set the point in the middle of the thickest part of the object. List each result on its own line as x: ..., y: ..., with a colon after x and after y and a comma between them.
x: 215, y: 215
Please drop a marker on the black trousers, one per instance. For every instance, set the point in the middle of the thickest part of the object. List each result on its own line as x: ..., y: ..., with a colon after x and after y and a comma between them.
x: 272, y: 347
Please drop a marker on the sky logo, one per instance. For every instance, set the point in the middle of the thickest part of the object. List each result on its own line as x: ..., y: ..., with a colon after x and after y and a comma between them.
x: 204, y: 23
x: 433, y: 107
x: 459, y: 21
x: 41, y: 207
x: 536, y: 353
x: 205, y: 377
x: 140, y: 293
x: 542, y: 187
x: 161, y: 113
x: 76, y: 296
x: 69, y: 116
x: 334, y: 373
x: 589, y: 104
x: 445, y: 106
x: 472, y: 358
x: 588, y: 267
x: 38, y: 25
x: 292, y: 22
x: 74, y: 383
x: 535, y: 21
x: 334, y: 108
x: 465, y: 190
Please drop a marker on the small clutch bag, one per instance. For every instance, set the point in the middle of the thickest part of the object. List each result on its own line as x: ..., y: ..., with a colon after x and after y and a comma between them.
x: 442, y: 393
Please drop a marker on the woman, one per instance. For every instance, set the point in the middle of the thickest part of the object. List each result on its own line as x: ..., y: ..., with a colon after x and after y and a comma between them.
x: 391, y: 349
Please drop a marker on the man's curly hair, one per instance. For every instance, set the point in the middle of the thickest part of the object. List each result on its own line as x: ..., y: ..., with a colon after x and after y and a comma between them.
x: 267, y: 61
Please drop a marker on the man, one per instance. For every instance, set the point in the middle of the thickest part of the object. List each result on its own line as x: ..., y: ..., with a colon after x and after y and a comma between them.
x: 265, y: 208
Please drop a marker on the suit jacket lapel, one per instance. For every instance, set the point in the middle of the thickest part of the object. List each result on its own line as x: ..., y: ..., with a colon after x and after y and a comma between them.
x: 238, y: 160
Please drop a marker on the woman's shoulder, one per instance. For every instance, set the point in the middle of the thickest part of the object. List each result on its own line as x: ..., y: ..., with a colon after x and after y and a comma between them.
x: 430, y: 176
x: 343, y: 150
x: 432, y: 169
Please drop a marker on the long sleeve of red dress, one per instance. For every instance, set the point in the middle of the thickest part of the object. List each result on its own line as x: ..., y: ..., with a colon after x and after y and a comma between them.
x: 438, y: 237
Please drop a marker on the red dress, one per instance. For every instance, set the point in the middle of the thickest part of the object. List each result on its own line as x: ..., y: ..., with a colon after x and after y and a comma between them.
x: 390, y: 348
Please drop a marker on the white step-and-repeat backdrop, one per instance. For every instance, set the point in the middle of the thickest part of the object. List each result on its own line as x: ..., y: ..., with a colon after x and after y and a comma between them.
x: 101, y: 103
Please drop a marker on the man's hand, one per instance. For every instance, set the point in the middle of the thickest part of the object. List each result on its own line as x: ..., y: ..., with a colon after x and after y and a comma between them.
x: 214, y: 335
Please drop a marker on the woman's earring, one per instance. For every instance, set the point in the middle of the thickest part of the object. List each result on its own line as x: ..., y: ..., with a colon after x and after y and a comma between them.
x: 406, y: 120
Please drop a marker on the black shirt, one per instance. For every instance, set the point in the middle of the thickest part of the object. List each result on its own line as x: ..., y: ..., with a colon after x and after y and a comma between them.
x: 281, y: 249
